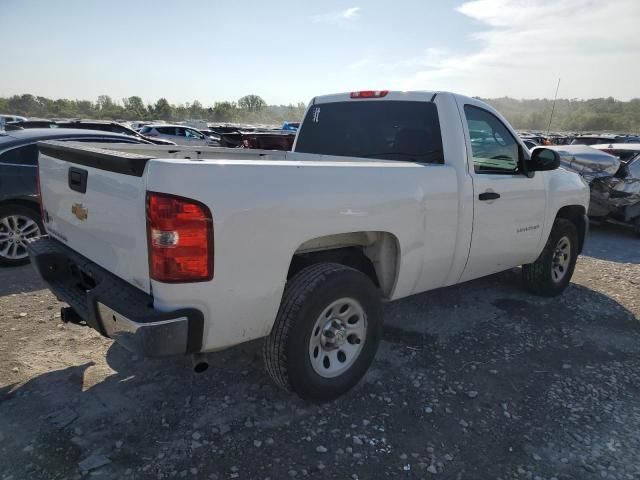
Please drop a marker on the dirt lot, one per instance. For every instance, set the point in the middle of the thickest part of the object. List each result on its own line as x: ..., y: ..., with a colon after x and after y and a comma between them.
x: 475, y: 381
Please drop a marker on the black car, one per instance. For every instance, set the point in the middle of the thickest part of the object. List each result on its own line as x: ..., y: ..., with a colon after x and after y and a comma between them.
x: 31, y: 123
x: 102, y: 125
x: 19, y: 202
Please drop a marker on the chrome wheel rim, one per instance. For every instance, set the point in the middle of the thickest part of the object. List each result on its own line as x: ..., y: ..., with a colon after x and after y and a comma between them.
x: 561, y: 259
x: 337, y: 337
x: 15, y: 230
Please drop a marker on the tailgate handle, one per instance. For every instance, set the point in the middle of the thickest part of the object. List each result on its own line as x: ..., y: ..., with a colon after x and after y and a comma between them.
x: 78, y: 179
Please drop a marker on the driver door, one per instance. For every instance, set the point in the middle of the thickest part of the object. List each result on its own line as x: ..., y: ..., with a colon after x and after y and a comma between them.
x: 508, y: 206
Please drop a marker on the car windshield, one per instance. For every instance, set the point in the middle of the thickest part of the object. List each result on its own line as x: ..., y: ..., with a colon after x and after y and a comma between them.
x: 383, y: 129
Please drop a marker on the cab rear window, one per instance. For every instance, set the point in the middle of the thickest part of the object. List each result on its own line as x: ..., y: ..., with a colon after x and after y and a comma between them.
x: 383, y: 129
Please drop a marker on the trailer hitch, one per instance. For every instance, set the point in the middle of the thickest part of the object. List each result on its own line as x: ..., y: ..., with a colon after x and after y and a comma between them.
x: 69, y: 315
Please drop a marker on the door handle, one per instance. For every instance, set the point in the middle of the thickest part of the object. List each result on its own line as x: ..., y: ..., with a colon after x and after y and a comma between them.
x: 489, y: 196
x: 78, y: 179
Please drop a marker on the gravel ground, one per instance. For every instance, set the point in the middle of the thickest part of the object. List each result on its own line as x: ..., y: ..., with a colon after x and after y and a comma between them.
x: 475, y: 381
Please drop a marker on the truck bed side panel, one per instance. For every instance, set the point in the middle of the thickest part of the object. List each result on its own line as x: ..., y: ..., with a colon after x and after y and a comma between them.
x: 263, y: 211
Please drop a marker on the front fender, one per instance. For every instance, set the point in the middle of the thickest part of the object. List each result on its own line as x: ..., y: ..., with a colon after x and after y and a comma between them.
x: 565, y: 190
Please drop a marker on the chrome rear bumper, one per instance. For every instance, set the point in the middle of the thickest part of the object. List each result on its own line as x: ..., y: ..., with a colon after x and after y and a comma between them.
x: 114, y: 307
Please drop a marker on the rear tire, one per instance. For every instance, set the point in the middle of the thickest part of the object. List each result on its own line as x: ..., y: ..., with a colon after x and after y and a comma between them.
x: 550, y: 274
x: 326, y: 332
x: 18, y: 224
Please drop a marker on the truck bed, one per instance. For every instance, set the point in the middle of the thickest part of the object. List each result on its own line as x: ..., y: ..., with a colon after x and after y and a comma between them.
x: 265, y: 206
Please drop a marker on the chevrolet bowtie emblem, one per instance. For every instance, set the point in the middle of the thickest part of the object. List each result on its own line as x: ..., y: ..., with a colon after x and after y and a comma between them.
x: 79, y: 211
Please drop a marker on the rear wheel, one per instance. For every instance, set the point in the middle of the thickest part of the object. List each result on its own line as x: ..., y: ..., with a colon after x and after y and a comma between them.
x: 550, y: 274
x: 326, y: 332
x: 18, y: 224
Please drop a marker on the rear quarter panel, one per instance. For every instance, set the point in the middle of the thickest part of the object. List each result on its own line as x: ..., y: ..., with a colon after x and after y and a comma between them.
x: 263, y: 211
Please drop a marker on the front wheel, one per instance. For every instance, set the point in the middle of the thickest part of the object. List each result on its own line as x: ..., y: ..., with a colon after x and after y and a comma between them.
x: 18, y: 224
x: 550, y: 274
x: 326, y: 332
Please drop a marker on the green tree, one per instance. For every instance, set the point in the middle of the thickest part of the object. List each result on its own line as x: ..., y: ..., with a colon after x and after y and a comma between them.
x: 196, y: 111
x: 105, y: 102
x: 22, y: 104
x: 163, y: 110
x: 225, y: 111
x: 252, y: 103
x: 134, y: 108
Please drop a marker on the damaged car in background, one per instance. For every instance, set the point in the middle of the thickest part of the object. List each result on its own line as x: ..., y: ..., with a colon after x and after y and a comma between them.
x: 613, y: 176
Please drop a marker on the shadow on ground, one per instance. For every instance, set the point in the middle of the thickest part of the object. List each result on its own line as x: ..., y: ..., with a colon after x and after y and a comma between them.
x: 614, y: 243
x: 19, y: 280
x: 474, y: 381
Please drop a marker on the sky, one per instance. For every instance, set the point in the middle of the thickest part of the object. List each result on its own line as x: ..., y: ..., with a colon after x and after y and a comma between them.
x: 290, y: 51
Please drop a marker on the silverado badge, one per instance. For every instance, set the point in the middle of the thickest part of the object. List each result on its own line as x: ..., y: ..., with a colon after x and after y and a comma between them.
x: 79, y: 211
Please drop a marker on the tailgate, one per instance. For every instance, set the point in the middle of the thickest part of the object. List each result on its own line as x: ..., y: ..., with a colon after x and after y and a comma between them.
x: 94, y: 202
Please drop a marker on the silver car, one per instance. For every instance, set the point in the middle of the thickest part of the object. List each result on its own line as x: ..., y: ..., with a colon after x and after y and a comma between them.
x: 179, y: 134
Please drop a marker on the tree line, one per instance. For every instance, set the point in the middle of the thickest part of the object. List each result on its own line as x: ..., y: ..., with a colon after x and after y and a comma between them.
x: 571, y: 115
x: 598, y: 114
x: 249, y: 109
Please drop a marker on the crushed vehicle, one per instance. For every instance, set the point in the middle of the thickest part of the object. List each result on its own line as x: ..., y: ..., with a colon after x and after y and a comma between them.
x: 612, y: 172
x: 591, y: 139
x: 259, y: 139
x: 188, y: 250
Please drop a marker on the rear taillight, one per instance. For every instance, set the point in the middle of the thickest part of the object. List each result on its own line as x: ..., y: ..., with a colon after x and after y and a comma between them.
x: 369, y: 94
x: 180, y: 237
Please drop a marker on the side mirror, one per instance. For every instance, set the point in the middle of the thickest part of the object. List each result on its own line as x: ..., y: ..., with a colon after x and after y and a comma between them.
x: 543, y: 159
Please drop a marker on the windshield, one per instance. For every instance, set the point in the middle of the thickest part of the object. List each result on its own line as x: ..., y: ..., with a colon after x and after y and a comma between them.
x: 395, y: 130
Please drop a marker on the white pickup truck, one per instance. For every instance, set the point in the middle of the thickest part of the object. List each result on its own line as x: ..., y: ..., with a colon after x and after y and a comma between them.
x: 186, y: 250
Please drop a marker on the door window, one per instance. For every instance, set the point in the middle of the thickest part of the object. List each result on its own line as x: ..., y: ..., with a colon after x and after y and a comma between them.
x: 166, y: 130
x: 493, y: 148
x: 193, y: 134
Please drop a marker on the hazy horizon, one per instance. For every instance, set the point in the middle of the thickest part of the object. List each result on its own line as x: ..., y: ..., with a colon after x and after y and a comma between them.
x: 294, y: 103
x: 291, y: 52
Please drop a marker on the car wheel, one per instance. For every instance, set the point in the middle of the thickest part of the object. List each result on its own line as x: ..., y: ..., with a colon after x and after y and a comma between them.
x: 18, y: 224
x: 550, y: 274
x: 326, y: 332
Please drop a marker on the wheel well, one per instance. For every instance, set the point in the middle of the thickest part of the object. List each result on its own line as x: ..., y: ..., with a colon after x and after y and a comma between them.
x: 576, y: 215
x: 373, y: 253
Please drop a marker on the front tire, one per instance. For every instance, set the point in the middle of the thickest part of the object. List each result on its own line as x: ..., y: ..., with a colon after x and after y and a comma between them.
x: 326, y: 332
x: 551, y: 273
x: 18, y: 224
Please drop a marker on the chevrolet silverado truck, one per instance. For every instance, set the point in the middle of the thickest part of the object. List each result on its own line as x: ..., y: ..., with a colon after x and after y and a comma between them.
x: 188, y: 250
